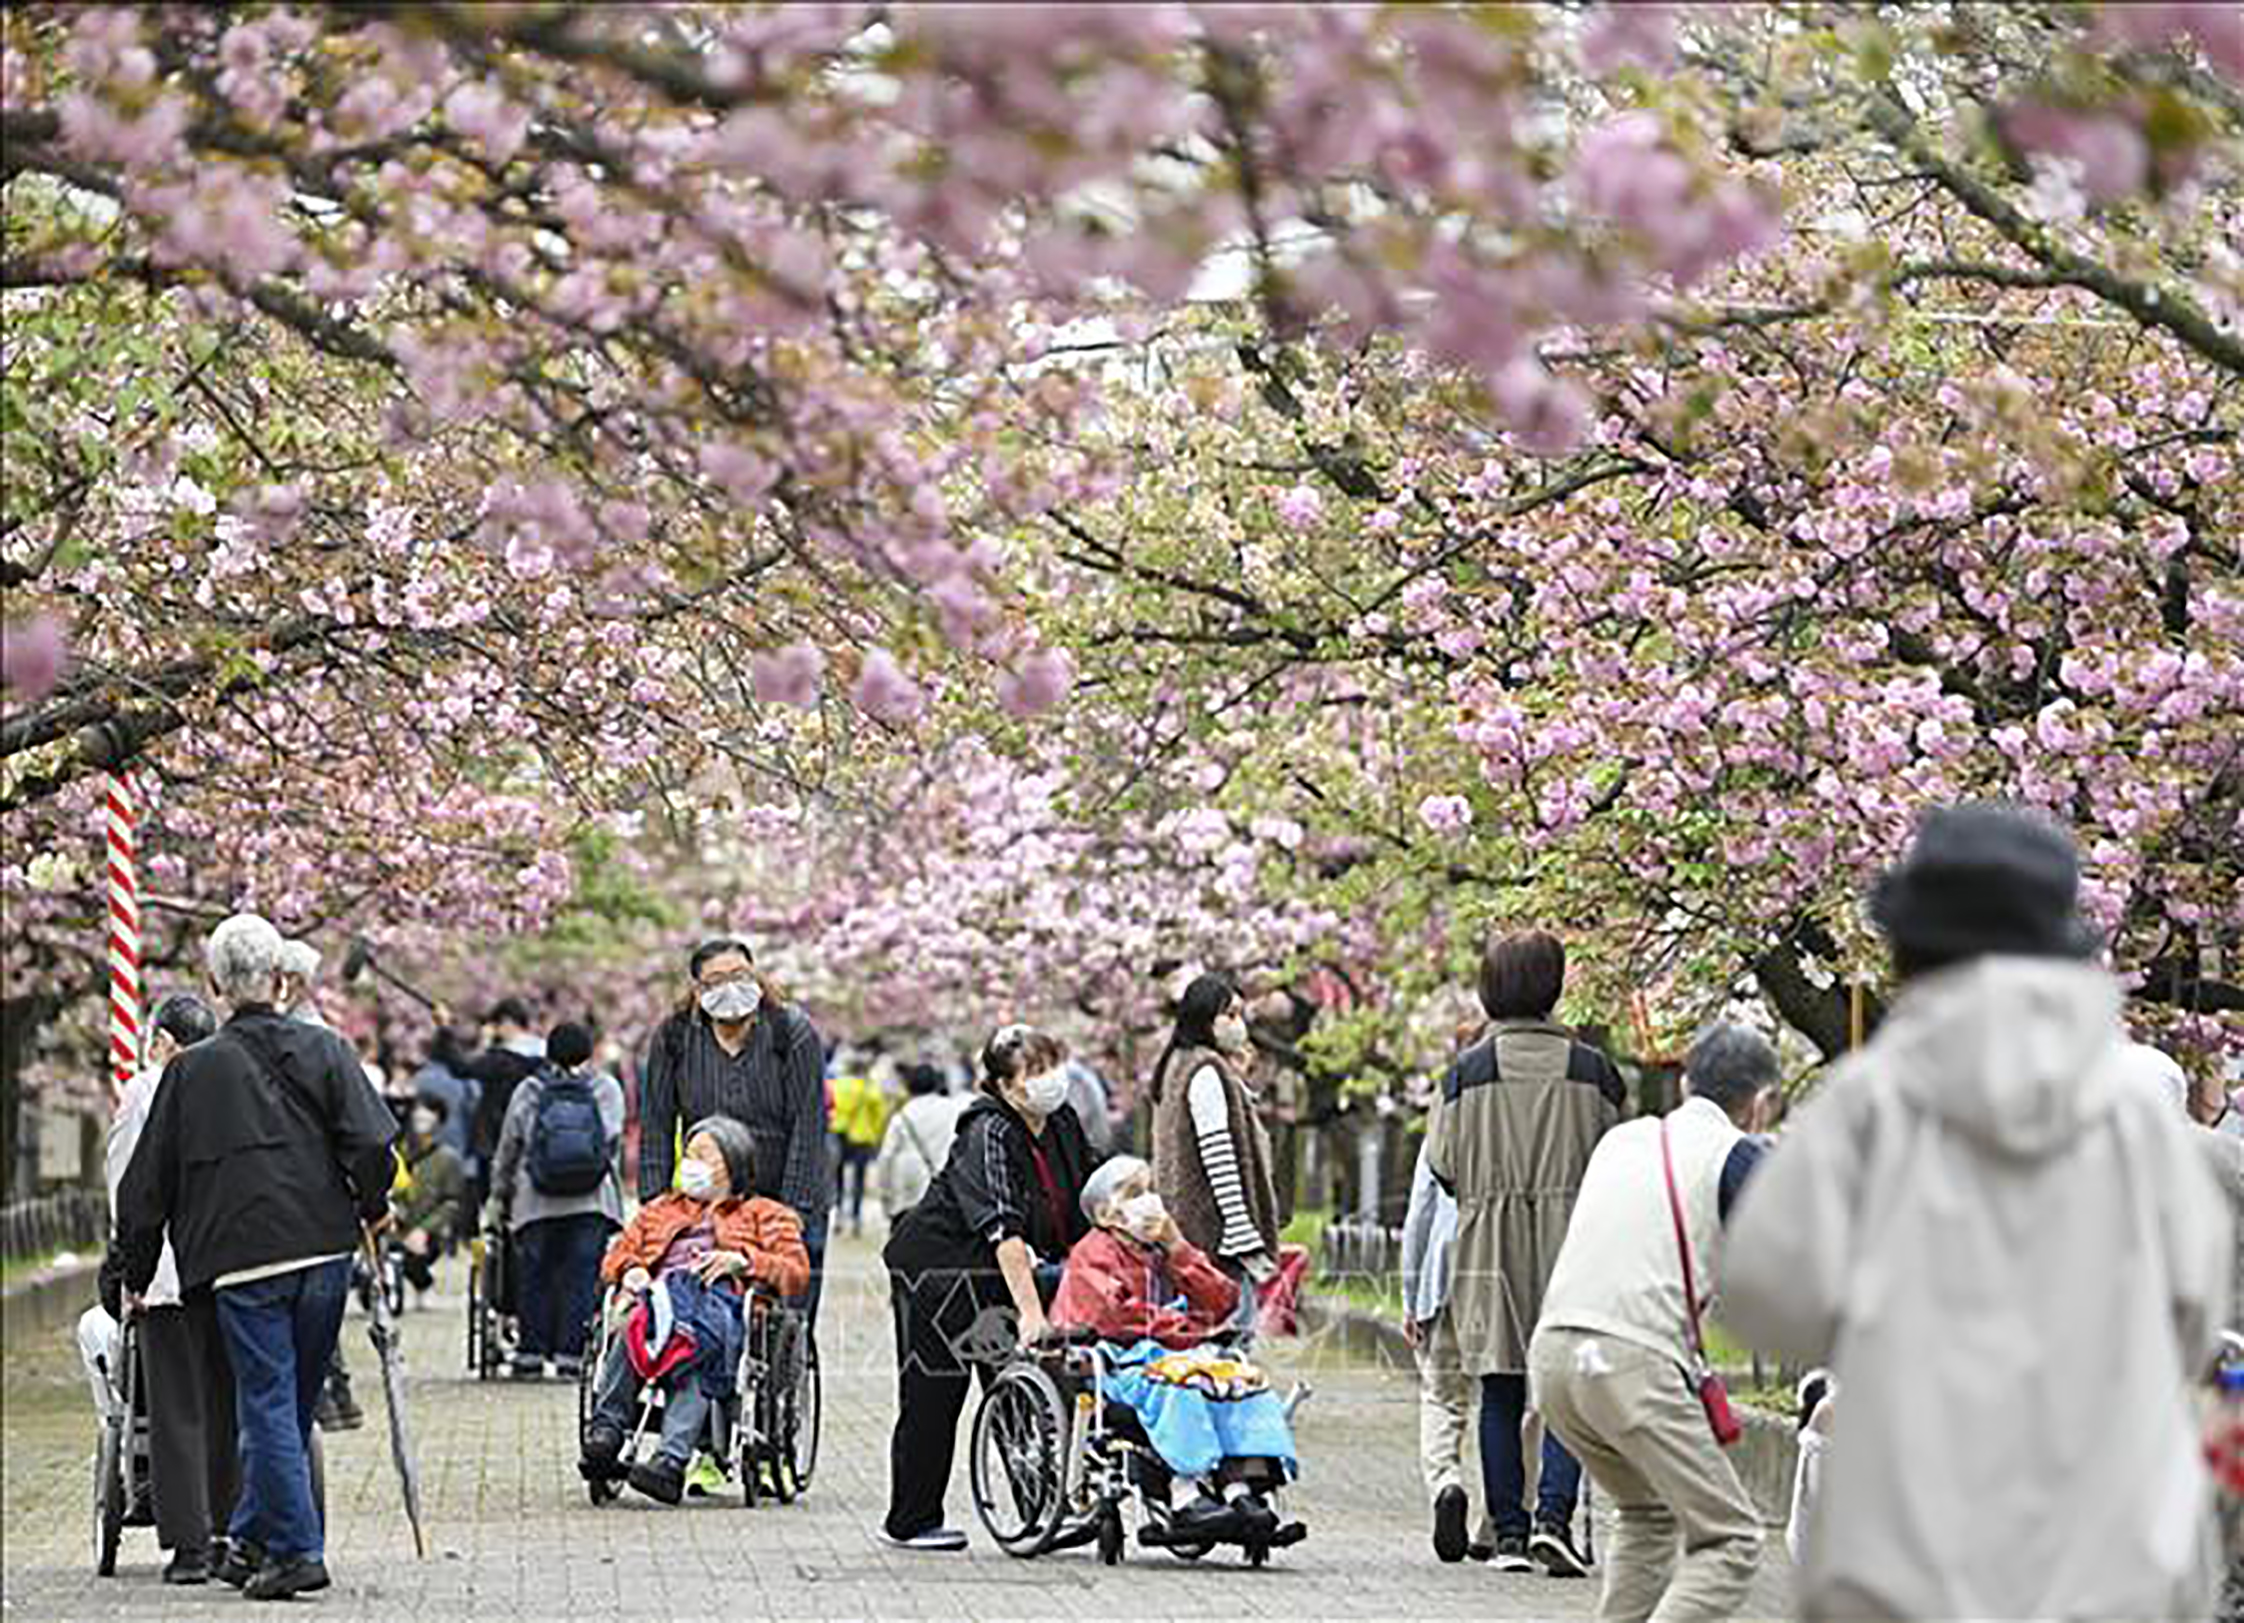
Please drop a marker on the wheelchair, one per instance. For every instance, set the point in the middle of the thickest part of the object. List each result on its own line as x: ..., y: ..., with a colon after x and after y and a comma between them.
x: 1056, y: 1462
x: 124, y: 1495
x: 490, y: 1327
x: 765, y: 1438
x: 124, y: 1482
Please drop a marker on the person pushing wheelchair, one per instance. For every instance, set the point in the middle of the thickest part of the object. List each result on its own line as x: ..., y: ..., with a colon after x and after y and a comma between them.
x: 685, y: 1262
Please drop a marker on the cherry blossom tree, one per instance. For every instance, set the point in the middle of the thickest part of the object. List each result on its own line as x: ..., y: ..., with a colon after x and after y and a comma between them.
x: 1005, y: 497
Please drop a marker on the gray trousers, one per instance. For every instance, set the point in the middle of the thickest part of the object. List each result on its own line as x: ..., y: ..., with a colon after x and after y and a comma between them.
x: 193, y: 1458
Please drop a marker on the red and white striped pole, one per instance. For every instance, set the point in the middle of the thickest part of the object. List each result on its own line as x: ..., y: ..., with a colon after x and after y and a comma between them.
x: 124, y: 934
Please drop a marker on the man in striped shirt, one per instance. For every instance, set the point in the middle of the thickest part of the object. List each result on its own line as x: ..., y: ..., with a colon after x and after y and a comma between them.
x: 736, y: 1050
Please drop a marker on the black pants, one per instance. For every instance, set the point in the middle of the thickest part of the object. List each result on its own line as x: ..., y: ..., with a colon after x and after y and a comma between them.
x: 942, y: 1316
x: 849, y: 1193
x: 191, y: 1445
x: 560, y: 1281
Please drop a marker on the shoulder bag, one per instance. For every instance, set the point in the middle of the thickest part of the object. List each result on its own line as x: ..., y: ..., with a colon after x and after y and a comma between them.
x: 1714, y: 1397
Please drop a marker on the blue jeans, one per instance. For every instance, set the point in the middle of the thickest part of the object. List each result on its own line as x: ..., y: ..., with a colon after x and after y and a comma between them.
x: 1503, y: 1404
x: 558, y: 1264
x: 685, y: 1406
x: 280, y: 1333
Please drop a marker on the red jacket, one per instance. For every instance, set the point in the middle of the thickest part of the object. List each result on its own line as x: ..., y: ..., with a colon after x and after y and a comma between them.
x: 767, y: 1233
x: 1125, y: 1291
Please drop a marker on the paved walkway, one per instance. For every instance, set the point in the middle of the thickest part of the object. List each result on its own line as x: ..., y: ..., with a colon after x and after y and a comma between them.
x: 512, y: 1534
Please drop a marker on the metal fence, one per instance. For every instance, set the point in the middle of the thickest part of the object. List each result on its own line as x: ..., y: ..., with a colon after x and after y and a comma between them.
x: 74, y: 1220
x: 1366, y: 1253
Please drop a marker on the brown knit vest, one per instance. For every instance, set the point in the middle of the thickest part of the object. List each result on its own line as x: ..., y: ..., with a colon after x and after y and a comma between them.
x: 1177, y: 1169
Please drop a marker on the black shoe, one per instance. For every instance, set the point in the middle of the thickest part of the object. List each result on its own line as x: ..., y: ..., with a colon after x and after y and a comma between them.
x: 658, y: 1478
x: 1450, y: 1515
x: 242, y: 1561
x: 1483, y: 1553
x: 338, y: 1413
x: 277, y: 1580
x: 603, y: 1444
x: 1511, y: 1553
x: 1553, y: 1545
x: 1204, y: 1520
x: 188, y: 1566
x: 1257, y: 1521
x: 529, y: 1367
x: 567, y: 1368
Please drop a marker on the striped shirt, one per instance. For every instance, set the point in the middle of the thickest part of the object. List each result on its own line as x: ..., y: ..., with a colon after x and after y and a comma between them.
x: 1219, y: 1157
x: 775, y: 1086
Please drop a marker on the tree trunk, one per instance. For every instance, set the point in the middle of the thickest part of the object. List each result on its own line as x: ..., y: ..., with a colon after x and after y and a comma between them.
x: 21, y: 1020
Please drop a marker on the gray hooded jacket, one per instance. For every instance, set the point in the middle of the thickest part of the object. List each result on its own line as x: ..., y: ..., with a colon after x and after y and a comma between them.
x: 2017, y: 1264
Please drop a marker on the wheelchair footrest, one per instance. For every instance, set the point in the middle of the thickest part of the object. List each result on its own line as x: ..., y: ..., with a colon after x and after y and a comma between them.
x: 1071, y: 1538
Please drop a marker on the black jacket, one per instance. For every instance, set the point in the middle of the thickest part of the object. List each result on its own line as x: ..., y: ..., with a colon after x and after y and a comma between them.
x: 498, y: 1071
x: 251, y: 1164
x: 989, y: 1191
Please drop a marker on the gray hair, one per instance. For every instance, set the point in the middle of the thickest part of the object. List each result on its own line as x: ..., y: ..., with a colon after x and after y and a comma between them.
x: 1111, y: 1174
x: 1730, y: 1064
x: 243, y: 956
x: 736, y: 1144
x: 300, y: 959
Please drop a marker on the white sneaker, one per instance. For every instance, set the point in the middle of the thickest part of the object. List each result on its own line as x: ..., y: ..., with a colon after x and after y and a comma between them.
x: 935, y: 1538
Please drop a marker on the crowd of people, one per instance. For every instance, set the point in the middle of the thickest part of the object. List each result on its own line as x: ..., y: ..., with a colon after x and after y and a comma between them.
x: 1999, y: 1231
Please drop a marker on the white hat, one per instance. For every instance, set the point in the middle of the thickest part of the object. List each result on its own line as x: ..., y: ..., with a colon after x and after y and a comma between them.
x: 1112, y: 1174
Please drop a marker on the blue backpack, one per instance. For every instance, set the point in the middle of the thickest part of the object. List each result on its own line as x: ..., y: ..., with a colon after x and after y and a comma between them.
x: 569, y: 1149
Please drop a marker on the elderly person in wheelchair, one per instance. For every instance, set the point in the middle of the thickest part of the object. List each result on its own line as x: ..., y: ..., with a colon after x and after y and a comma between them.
x: 681, y: 1269
x: 1158, y: 1304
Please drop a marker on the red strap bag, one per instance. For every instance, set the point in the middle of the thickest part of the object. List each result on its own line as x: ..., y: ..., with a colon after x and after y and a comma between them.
x: 1714, y: 1397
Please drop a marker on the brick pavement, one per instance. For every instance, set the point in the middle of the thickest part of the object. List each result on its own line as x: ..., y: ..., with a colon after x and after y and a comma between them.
x: 512, y: 1534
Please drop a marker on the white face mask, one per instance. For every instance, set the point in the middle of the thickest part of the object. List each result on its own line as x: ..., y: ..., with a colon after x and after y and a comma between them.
x: 424, y: 1122
x: 1231, y: 1034
x: 735, y: 1000
x: 696, y: 1180
x: 1045, y: 1092
x: 1143, y: 1214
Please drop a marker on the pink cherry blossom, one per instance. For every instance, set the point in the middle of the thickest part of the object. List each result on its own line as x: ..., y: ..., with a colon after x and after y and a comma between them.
x: 32, y: 655
x: 790, y: 675
x: 1039, y: 682
x: 884, y: 692
x: 1300, y: 508
x: 1445, y: 814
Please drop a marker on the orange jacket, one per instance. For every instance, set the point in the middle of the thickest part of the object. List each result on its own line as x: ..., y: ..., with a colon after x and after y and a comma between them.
x: 1126, y: 1291
x: 767, y: 1233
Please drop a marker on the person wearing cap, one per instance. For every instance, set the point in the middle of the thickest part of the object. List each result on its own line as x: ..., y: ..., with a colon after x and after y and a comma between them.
x: 2009, y: 1254
x: 735, y: 1047
x: 1146, y: 1291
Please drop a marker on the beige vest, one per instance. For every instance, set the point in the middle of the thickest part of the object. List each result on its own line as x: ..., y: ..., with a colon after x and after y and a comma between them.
x: 1619, y: 1272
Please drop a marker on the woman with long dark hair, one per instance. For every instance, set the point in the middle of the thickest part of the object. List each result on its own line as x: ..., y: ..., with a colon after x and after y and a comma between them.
x: 986, y: 1242
x: 1211, y: 1155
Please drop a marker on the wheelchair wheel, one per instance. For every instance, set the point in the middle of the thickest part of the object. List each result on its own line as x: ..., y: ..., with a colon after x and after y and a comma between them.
x: 800, y: 1409
x: 601, y: 1490
x: 475, y: 1307
x: 109, y: 1496
x: 113, y: 1454
x: 1020, y: 1459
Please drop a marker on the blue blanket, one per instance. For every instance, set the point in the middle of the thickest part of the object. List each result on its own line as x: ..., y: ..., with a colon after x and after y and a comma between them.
x: 711, y: 1316
x: 1201, y: 1408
